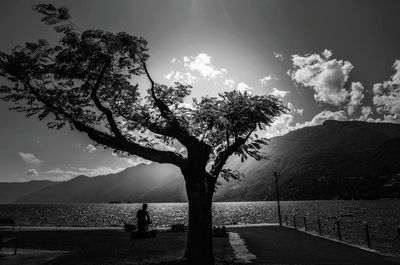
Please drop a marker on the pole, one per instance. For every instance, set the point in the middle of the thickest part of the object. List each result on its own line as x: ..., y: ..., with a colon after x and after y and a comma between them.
x: 319, y: 226
x: 294, y: 221
x: 398, y: 230
x: 305, y: 223
x: 276, y: 175
x: 338, y: 230
x: 279, y: 205
x: 367, y: 234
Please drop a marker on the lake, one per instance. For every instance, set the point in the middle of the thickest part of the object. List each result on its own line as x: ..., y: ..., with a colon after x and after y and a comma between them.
x: 383, y: 217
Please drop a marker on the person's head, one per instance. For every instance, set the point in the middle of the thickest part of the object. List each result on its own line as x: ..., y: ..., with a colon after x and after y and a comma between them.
x: 144, y: 206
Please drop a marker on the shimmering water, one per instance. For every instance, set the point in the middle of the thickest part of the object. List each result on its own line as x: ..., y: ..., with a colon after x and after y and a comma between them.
x: 383, y: 217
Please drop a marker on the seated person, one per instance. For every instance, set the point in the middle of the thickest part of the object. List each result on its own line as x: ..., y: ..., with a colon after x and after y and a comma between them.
x: 143, y: 218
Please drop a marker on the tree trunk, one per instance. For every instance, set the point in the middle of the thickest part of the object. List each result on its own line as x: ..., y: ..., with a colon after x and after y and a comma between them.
x: 199, y: 243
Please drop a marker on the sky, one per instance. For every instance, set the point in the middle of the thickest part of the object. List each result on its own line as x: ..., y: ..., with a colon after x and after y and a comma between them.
x: 324, y: 59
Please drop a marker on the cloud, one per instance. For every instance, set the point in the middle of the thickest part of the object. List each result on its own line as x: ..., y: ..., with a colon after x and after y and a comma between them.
x: 266, y: 79
x: 278, y: 93
x: 387, y: 94
x: 392, y: 118
x: 396, y: 76
x: 356, y: 95
x: 326, y: 77
x: 280, y: 126
x: 327, y: 53
x: 242, y: 87
x: 202, y: 64
x: 229, y: 83
x: 30, y: 159
x: 90, y: 148
x: 293, y: 110
x: 279, y: 56
x: 31, y: 172
x: 366, y: 111
x: 131, y: 159
x: 181, y: 77
x: 326, y: 115
x: 186, y: 105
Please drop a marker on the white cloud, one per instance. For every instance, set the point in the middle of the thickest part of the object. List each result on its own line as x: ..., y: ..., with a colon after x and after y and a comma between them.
x: 266, y: 79
x: 30, y: 159
x: 356, y: 95
x: 242, y: 87
x: 229, y: 83
x: 324, y: 116
x: 31, y: 172
x: 181, y: 77
x: 395, y: 118
x: 366, y: 111
x: 90, y: 148
x: 279, y: 56
x: 387, y: 94
x: 131, y: 159
x: 325, y: 77
x: 280, y: 126
x: 396, y: 76
x: 293, y: 110
x: 202, y: 64
x: 278, y: 93
x: 327, y: 53
x: 186, y: 105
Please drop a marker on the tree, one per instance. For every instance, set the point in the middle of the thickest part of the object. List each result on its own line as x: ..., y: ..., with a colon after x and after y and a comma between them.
x: 84, y: 82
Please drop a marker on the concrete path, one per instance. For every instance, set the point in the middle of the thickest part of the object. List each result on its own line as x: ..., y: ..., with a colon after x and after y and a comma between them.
x: 275, y: 245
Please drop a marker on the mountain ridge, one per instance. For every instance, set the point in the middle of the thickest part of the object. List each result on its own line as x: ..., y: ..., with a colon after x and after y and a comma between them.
x: 335, y: 160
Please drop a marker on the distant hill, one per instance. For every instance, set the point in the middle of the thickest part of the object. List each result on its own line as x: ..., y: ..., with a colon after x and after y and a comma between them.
x: 335, y: 160
x: 136, y: 184
x: 9, y: 192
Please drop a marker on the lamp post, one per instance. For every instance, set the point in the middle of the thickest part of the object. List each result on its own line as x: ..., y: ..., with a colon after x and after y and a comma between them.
x: 276, y: 175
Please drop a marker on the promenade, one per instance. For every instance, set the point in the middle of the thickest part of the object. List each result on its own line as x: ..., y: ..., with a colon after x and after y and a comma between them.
x: 282, y: 245
x: 253, y: 244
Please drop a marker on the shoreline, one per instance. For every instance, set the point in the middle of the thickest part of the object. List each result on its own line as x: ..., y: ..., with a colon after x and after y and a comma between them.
x: 164, y: 229
x: 83, y: 228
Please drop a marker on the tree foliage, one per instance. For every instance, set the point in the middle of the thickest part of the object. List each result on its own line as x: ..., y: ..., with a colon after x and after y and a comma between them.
x: 85, y: 82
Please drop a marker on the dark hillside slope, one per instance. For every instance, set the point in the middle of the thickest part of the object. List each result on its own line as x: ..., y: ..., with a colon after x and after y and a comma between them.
x: 347, y: 160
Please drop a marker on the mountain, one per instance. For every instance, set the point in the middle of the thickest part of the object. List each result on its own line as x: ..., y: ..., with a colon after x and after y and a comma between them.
x: 150, y: 183
x: 11, y: 191
x: 335, y: 160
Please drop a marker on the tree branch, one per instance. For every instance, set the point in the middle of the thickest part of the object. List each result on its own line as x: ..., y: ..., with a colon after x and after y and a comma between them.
x: 108, y: 113
x: 221, y: 159
x: 112, y: 141
x: 176, y: 131
x: 223, y: 156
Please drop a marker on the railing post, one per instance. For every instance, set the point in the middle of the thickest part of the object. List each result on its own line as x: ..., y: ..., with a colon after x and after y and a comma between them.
x: 305, y: 223
x: 286, y: 220
x: 398, y: 231
x: 16, y: 246
x: 319, y: 226
x: 338, y: 230
x: 294, y: 221
x: 367, y: 234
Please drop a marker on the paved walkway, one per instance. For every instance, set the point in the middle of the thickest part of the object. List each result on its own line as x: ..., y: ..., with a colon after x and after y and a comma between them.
x: 275, y: 245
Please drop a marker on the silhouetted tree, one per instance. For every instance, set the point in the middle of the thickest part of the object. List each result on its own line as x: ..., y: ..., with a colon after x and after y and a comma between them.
x: 84, y: 82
